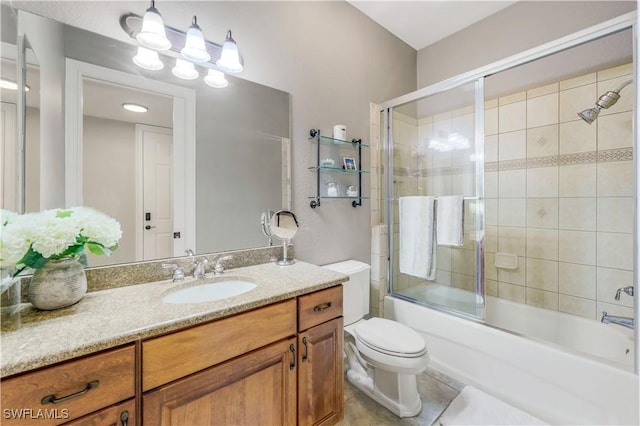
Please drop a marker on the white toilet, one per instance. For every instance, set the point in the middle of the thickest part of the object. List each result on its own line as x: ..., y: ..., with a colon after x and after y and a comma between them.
x: 387, y: 355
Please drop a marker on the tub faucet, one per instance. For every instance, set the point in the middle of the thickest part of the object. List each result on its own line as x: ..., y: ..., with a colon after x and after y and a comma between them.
x: 628, y: 290
x: 613, y: 319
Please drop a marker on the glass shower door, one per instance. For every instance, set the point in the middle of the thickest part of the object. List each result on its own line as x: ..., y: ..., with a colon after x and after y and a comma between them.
x: 435, y: 200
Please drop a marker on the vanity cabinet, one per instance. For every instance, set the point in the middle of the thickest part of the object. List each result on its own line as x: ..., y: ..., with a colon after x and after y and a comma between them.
x: 255, y: 389
x: 320, y: 364
x: 277, y: 364
x: 71, y: 390
x: 123, y: 414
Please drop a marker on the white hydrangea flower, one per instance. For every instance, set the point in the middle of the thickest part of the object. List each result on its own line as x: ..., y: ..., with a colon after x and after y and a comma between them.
x: 54, y: 234
x: 97, y: 226
x: 16, y: 239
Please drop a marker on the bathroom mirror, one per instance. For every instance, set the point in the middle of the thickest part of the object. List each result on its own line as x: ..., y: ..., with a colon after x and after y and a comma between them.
x: 284, y: 226
x: 237, y: 163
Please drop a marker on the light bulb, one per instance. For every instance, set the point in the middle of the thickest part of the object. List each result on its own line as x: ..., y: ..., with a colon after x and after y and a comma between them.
x: 216, y: 79
x: 194, y: 48
x: 184, y: 70
x: 229, y: 58
x: 153, y: 34
x: 148, y: 59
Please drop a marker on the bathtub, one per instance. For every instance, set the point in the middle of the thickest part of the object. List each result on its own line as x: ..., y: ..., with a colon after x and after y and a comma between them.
x: 591, y: 383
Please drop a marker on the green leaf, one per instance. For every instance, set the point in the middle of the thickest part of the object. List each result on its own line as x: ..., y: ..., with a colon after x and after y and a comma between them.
x: 33, y: 259
x: 99, y: 249
x: 70, y: 251
x: 64, y: 213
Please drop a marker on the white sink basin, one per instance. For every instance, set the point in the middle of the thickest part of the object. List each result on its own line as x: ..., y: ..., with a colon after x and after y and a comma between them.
x: 210, y: 291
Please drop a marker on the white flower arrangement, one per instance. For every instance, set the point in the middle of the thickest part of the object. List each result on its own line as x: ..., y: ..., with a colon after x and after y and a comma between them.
x: 32, y: 239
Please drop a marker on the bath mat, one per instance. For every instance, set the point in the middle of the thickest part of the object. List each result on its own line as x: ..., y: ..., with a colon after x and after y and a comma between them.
x: 474, y: 407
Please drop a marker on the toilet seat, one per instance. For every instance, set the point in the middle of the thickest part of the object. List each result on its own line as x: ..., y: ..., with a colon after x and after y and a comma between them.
x: 390, y: 338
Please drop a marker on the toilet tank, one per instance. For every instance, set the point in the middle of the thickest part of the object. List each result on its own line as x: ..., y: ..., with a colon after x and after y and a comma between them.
x: 355, y: 292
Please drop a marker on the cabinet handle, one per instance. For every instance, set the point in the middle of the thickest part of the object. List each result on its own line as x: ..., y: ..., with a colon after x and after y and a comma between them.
x: 124, y: 418
x: 51, y: 399
x: 293, y: 357
x: 305, y: 356
x: 320, y: 308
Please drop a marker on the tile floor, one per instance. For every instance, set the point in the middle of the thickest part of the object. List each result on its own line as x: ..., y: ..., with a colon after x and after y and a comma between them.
x: 436, y: 390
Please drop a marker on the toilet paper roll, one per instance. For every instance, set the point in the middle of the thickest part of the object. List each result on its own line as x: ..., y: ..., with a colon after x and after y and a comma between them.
x: 340, y: 132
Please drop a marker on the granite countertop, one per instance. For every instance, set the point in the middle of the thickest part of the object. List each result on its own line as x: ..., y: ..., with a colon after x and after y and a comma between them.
x: 103, y: 319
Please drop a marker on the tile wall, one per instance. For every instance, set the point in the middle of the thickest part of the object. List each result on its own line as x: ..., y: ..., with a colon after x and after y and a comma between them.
x: 559, y: 195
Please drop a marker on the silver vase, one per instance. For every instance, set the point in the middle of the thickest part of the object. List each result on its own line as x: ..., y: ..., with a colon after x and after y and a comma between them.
x: 58, y: 284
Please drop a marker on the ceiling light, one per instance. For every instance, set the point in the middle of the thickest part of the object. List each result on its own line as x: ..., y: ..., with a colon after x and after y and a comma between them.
x: 194, y: 48
x: 230, y: 58
x: 216, y: 79
x: 185, y: 70
x: 148, y: 59
x: 11, y: 85
x: 135, y: 107
x: 153, y: 34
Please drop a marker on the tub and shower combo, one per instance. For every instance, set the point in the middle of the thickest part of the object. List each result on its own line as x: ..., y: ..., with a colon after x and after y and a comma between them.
x: 525, y: 287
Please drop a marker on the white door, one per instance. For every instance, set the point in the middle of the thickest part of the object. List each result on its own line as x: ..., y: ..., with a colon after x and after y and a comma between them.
x: 157, y: 192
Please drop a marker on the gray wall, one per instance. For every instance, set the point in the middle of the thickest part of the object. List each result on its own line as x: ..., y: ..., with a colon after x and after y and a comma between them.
x: 524, y: 25
x: 331, y: 58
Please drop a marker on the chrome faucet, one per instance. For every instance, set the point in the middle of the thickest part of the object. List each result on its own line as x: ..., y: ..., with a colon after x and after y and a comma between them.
x: 613, y: 319
x: 628, y: 290
x: 178, y: 273
x: 218, y: 269
x: 200, y: 268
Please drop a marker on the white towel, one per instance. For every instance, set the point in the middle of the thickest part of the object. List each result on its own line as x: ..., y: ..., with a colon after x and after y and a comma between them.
x: 417, y: 237
x: 474, y: 407
x: 449, y: 218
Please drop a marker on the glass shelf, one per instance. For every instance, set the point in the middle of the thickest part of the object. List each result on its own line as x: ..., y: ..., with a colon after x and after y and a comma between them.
x: 327, y: 139
x: 337, y: 170
x: 341, y: 197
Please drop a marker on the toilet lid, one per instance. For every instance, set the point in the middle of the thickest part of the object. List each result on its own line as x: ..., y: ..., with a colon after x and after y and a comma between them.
x: 390, y: 337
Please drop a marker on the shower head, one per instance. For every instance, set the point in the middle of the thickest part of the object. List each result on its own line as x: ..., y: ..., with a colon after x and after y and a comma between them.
x: 605, y: 101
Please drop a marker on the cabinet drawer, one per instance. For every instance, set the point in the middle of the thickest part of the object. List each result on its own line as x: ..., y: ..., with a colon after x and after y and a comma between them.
x: 123, y: 414
x: 176, y: 355
x: 319, y: 307
x: 69, y: 390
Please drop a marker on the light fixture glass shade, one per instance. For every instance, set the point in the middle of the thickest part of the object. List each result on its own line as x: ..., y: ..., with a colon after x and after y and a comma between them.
x: 229, y: 58
x: 215, y: 78
x: 194, y: 47
x: 184, y: 70
x: 135, y: 107
x: 148, y: 59
x: 153, y: 34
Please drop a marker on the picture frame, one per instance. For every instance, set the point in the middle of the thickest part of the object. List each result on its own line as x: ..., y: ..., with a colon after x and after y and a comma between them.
x: 350, y: 163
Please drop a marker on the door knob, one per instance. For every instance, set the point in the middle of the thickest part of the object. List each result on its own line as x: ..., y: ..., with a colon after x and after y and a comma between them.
x: 149, y: 227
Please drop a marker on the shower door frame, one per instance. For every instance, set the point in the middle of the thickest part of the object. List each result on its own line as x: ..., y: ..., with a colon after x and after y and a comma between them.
x: 620, y: 23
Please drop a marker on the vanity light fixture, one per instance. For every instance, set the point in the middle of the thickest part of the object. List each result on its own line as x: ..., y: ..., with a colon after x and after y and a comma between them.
x: 185, y: 70
x: 215, y: 78
x: 153, y: 34
x: 135, y: 107
x: 148, y: 59
x: 229, y: 58
x: 194, y: 48
x: 11, y: 85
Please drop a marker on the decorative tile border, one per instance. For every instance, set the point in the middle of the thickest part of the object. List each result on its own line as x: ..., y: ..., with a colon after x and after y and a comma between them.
x: 591, y: 157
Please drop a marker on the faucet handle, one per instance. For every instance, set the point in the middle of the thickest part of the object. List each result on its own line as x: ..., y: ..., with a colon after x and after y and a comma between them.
x: 628, y: 290
x: 178, y: 273
x: 218, y: 268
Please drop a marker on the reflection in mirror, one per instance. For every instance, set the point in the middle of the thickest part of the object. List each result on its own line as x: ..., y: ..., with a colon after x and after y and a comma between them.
x: 284, y: 226
x: 10, y: 197
x: 239, y: 157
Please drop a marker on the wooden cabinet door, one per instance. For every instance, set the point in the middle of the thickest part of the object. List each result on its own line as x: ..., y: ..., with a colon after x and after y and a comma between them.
x: 254, y: 389
x: 321, y: 374
x: 123, y: 414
